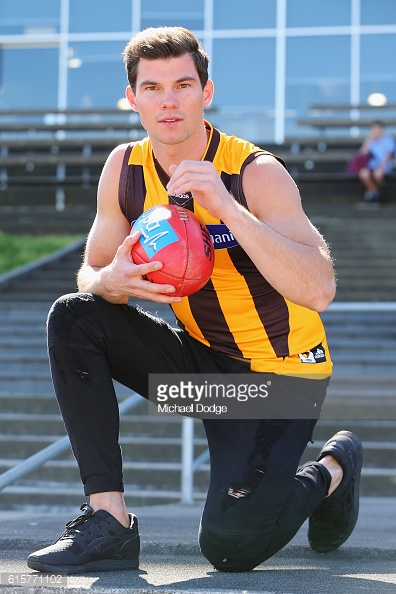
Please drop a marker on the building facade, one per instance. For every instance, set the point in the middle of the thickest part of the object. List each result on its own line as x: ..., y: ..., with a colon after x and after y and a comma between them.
x: 270, y: 59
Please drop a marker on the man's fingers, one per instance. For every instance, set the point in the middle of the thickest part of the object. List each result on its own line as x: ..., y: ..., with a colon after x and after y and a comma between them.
x: 125, y: 248
x: 147, y: 267
x: 142, y: 270
x: 155, y: 291
x: 192, y: 176
x: 131, y: 239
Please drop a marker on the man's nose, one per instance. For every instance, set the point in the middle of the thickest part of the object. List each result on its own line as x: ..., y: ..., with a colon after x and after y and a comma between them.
x: 169, y: 99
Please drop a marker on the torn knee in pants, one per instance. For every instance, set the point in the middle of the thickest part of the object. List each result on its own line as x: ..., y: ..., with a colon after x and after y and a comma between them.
x: 267, y: 435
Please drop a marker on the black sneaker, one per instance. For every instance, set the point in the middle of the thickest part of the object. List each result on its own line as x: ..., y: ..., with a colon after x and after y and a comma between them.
x: 333, y: 521
x: 91, y: 542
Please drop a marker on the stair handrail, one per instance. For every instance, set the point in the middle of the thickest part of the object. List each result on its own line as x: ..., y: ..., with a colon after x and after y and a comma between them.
x: 15, y: 273
x: 188, y: 464
x: 53, y: 450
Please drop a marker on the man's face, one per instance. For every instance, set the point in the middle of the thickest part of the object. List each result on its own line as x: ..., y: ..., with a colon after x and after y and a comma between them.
x: 376, y: 131
x: 169, y: 98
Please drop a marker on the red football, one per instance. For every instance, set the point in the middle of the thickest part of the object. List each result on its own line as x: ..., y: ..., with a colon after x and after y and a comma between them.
x: 174, y: 236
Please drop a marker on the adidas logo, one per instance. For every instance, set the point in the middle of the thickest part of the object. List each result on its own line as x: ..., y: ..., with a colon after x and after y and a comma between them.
x: 181, y: 196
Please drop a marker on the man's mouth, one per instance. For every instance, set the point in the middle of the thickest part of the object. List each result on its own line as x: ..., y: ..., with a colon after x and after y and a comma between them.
x: 169, y: 120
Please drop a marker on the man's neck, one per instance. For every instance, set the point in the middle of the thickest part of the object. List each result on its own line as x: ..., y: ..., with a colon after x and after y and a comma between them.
x: 172, y: 154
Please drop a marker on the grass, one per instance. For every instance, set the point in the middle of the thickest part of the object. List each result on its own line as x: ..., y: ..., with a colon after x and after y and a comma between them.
x: 16, y: 250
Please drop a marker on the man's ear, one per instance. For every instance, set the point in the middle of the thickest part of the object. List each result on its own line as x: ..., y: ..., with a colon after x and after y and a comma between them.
x: 130, y: 95
x: 208, y: 93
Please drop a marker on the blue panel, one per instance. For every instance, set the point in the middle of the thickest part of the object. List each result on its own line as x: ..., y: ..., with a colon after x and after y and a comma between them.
x: 25, y: 16
x: 29, y: 78
x: 156, y: 13
x: 319, y: 13
x: 381, y: 12
x: 93, y: 16
x: 100, y: 79
x: 249, y: 14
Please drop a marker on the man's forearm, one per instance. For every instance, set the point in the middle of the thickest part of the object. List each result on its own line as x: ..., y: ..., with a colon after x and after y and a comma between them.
x: 301, y: 273
x: 92, y: 279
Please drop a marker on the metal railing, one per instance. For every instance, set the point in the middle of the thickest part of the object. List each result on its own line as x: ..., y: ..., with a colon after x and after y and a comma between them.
x: 188, y: 464
x: 52, y: 451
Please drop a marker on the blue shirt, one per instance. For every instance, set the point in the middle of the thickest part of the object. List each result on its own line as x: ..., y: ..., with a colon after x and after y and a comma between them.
x: 379, y: 150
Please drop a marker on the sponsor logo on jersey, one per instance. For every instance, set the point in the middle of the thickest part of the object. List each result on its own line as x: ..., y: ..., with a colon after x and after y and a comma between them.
x: 315, y: 355
x: 221, y: 236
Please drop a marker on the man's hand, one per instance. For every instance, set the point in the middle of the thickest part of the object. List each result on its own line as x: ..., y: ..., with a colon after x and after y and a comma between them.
x: 122, y: 278
x: 202, y: 180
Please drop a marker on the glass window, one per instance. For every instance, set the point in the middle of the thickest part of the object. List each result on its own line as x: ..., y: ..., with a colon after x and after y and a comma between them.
x: 244, y: 87
x: 382, y: 12
x: 377, y: 66
x: 154, y: 13
x: 317, y: 13
x: 243, y: 15
x: 94, y: 16
x: 29, y: 78
x: 27, y: 17
x: 317, y: 71
x: 97, y: 76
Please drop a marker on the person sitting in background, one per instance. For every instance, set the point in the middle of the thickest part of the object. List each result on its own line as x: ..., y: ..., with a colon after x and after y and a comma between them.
x: 381, y: 149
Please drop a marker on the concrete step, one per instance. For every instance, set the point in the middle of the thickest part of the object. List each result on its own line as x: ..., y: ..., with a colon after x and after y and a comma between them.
x: 18, y: 347
x: 362, y: 362
x: 41, y: 285
x: 341, y: 208
x: 143, y: 475
x: 377, y: 455
x: 47, y: 496
x: 363, y: 282
x: 369, y: 343
x: 373, y: 294
x: 367, y: 430
x: 41, y: 295
x: 46, y: 220
x: 27, y: 403
x: 156, y: 482
x: 140, y: 459
x: 48, y: 427
x: 33, y: 347
x: 357, y: 276
x: 369, y: 393
x: 33, y: 384
x: 15, y: 359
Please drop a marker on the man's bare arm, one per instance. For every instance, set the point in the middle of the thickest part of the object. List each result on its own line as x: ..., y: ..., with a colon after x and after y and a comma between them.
x: 108, y: 269
x: 275, y: 232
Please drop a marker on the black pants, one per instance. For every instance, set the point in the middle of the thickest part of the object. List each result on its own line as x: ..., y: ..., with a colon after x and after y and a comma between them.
x: 257, y: 500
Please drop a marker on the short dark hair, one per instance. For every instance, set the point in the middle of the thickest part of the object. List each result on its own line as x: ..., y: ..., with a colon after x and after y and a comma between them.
x: 379, y: 123
x: 156, y: 43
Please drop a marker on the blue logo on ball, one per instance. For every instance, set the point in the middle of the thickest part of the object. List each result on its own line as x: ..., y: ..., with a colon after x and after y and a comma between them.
x: 154, y: 234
